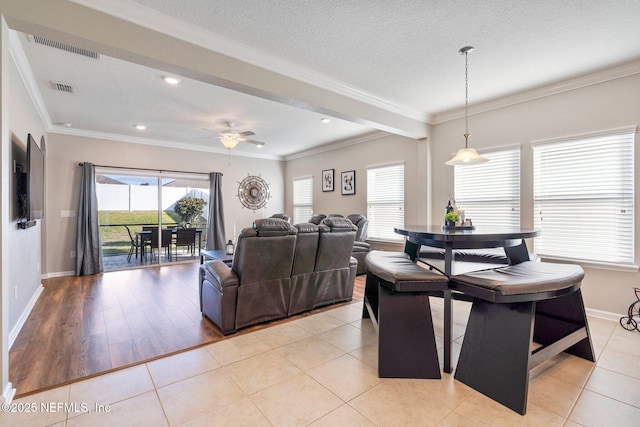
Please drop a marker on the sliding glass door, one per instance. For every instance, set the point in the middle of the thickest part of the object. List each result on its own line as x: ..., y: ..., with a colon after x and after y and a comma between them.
x: 150, y: 218
x: 186, y: 201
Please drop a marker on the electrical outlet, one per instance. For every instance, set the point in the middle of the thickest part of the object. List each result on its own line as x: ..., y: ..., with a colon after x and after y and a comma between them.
x: 73, y: 254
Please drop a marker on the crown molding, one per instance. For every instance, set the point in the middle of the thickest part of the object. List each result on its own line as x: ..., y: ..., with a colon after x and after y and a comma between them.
x: 616, y: 72
x: 153, y: 20
x: 24, y: 70
x: 61, y: 130
x: 338, y: 144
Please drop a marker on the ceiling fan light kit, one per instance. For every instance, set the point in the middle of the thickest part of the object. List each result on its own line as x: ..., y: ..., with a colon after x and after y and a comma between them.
x: 230, y: 138
x: 229, y: 141
x: 466, y: 155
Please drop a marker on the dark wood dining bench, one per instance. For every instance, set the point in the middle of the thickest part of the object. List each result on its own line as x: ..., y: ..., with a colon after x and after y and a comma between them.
x: 513, y: 308
x: 397, y: 300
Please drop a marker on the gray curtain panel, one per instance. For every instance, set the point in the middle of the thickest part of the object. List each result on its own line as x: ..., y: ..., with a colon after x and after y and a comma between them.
x: 215, y: 227
x: 88, y: 248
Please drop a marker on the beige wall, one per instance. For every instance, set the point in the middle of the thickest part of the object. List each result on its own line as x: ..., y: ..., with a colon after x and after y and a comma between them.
x: 25, y: 245
x: 388, y: 149
x: 599, y: 107
x: 63, y: 180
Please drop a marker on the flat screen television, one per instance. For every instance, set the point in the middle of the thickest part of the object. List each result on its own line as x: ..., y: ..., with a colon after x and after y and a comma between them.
x: 31, y: 187
x: 35, y: 179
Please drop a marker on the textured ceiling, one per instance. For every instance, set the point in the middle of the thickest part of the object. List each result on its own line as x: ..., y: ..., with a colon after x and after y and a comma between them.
x: 402, y: 53
x: 405, y: 51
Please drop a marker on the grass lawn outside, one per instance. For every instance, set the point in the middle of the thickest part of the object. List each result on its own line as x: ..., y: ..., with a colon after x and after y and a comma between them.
x: 113, y: 235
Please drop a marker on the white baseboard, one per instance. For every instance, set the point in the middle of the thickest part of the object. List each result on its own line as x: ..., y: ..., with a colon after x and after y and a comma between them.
x: 13, y: 334
x: 603, y: 314
x: 58, y: 274
x: 8, y: 392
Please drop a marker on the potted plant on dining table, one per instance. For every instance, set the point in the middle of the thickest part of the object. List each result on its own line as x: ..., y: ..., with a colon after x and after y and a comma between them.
x: 450, y: 219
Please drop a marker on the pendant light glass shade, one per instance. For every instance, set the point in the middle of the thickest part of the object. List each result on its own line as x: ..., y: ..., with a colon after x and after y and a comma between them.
x: 466, y: 155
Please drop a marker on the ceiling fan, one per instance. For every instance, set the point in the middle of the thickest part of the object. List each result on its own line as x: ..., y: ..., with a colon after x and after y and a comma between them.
x: 231, y: 138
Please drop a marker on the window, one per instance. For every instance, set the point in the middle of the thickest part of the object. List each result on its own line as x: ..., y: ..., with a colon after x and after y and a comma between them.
x: 583, y: 197
x: 302, y: 199
x: 385, y: 201
x: 489, y: 193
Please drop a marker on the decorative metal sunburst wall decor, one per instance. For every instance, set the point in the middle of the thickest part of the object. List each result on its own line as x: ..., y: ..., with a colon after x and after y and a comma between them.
x: 253, y: 192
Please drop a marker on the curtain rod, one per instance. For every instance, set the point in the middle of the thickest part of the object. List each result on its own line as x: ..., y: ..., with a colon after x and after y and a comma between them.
x: 146, y: 169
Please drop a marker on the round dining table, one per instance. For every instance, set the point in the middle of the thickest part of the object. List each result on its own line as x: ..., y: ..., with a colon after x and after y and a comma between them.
x: 450, y: 238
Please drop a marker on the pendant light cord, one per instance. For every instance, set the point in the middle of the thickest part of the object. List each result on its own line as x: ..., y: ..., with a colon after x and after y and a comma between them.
x: 466, y: 99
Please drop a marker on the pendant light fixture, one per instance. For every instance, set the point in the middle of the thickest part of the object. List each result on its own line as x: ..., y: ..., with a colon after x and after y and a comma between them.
x: 466, y: 155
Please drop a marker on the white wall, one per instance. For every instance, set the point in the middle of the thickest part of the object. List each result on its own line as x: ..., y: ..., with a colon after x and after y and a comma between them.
x: 602, y: 106
x: 64, y: 152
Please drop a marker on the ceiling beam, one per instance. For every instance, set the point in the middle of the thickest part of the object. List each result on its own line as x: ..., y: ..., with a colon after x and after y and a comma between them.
x: 80, y: 26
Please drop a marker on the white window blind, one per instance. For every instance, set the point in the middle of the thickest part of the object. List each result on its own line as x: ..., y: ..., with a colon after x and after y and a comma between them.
x: 583, y: 197
x: 302, y: 199
x: 489, y: 193
x: 385, y: 201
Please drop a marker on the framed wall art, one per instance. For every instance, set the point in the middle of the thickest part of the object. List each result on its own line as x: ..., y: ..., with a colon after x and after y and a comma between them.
x: 348, y: 182
x: 327, y: 180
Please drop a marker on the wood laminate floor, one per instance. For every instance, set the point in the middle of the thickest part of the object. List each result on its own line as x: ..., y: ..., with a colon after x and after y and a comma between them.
x: 85, y: 326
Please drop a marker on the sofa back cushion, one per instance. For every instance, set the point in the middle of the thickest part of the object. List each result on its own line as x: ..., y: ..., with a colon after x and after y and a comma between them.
x: 362, y: 223
x: 306, y: 250
x: 316, y: 219
x: 335, y: 243
x: 265, y: 251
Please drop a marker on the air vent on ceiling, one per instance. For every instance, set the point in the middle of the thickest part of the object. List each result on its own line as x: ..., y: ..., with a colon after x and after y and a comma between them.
x: 66, y: 47
x: 62, y: 87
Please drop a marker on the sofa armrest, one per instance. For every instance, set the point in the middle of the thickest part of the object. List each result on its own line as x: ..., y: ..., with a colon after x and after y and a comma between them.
x: 220, y: 274
x: 361, y: 246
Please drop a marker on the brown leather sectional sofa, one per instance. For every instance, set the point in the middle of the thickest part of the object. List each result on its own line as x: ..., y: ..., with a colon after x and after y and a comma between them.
x: 279, y: 270
x: 360, y: 247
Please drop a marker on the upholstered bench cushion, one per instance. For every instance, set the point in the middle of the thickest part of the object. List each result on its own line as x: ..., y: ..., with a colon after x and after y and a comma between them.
x: 490, y: 255
x: 529, y: 280
x: 402, y: 274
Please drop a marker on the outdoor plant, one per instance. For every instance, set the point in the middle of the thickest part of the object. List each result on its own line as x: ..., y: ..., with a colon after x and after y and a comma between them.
x: 189, y: 208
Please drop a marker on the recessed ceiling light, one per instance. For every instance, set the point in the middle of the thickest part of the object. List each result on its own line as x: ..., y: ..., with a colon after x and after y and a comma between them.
x: 325, y: 120
x: 140, y: 127
x: 259, y: 145
x: 171, y: 80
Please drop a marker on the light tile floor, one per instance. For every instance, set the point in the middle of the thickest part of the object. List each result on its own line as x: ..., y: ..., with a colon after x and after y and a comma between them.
x: 321, y: 371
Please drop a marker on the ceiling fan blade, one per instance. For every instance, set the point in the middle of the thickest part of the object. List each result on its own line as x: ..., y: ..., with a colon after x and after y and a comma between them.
x: 209, y: 130
x: 245, y: 133
x: 254, y: 142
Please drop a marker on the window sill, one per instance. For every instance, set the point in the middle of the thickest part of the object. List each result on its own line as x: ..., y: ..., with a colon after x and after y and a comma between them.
x: 628, y: 268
